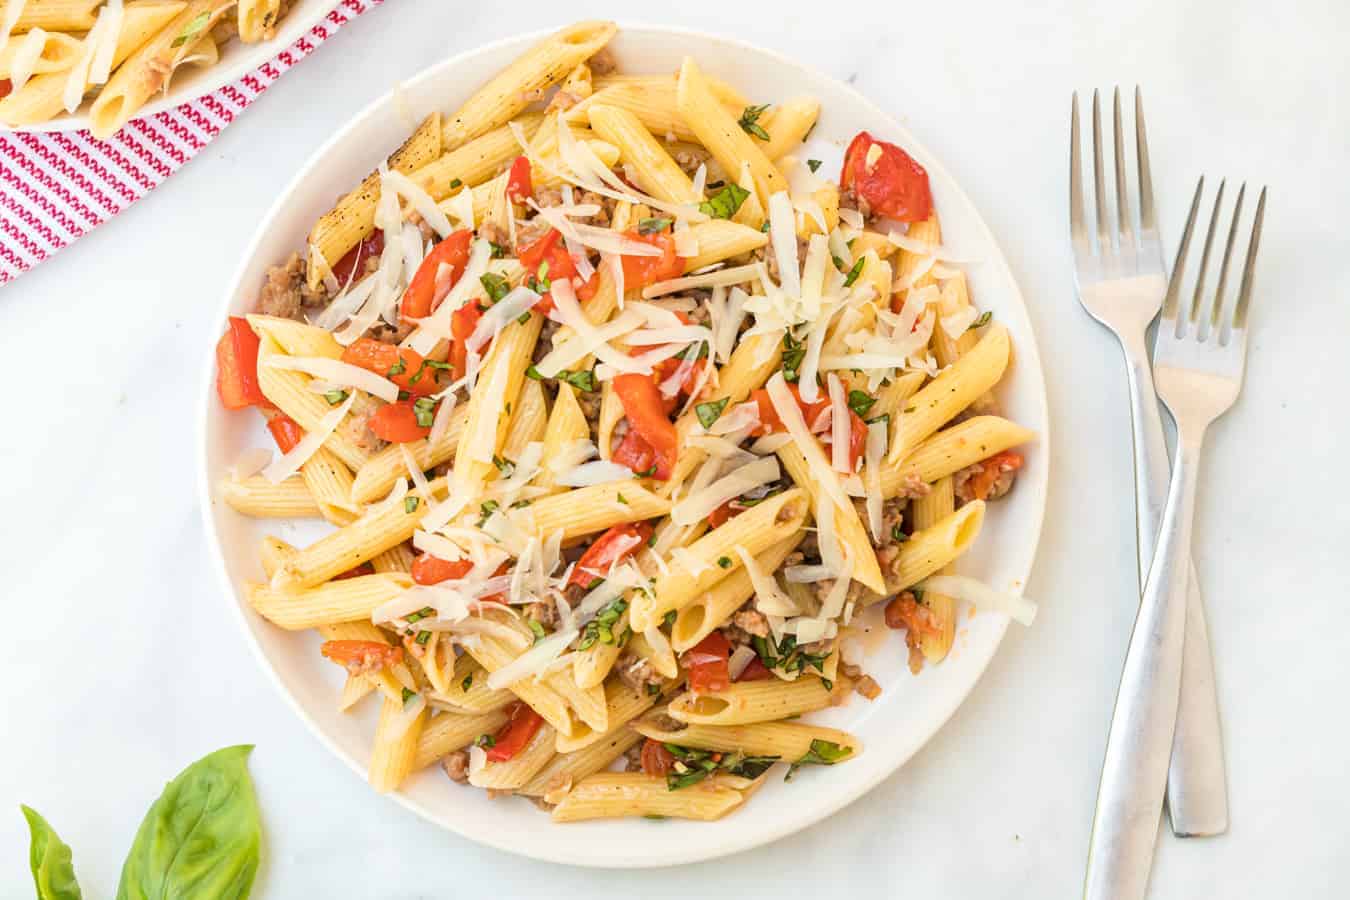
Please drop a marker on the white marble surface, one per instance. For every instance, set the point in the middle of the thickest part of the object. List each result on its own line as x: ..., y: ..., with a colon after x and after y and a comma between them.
x: 126, y: 663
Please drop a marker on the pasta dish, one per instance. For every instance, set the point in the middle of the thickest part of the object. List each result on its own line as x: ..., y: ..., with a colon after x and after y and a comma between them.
x: 624, y: 408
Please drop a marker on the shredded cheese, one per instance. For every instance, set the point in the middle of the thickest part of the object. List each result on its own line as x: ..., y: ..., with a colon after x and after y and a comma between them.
x: 291, y: 461
x: 700, y: 504
x: 337, y: 372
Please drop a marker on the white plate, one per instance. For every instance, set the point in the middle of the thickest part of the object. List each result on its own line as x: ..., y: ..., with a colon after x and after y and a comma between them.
x: 910, y: 710
x: 237, y: 59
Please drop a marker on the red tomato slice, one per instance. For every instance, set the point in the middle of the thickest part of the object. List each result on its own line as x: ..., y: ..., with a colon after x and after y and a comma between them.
x: 519, y: 185
x: 285, y: 431
x: 755, y: 671
x: 462, y: 324
x: 706, y: 663
x: 769, y: 421
x: 656, y: 759
x: 635, y: 453
x: 237, y: 367
x: 726, y: 511
x: 892, y: 183
x: 397, y: 423
x: 549, y: 250
x: 644, y: 408
x: 5, y: 87
x: 356, y: 257
x: 359, y: 657
x: 421, y: 296
x: 982, y: 482
x: 615, y: 545
x: 413, y: 375
x: 640, y: 271
x: 515, y: 734
x: 428, y: 569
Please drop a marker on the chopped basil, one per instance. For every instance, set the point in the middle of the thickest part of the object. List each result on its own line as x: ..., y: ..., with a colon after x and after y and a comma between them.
x: 498, y: 251
x: 584, y: 380
x: 403, y: 395
x: 765, y: 226
x: 884, y: 417
x: 455, y: 182
x: 653, y: 690
x: 652, y: 225
x: 334, y: 397
x: 724, y: 562
x: 724, y: 203
x: 813, y: 164
x: 822, y: 753
x: 486, y: 740
x: 709, y: 412
x: 397, y: 368
x: 466, y: 683
x: 424, y: 408
x: 192, y: 29
x: 505, y: 466
x: 601, y: 628
x: 421, y: 613
x: 495, y: 285
x: 693, y: 765
x: 622, y: 500
x: 854, y: 272
x: 427, y: 364
x: 669, y: 619
x: 982, y: 321
x: 897, y: 535
x: 486, y: 510
x: 423, y: 637
x: 860, y: 403
x: 537, y: 629
x: 787, y: 657
x: 539, y: 282
x: 749, y: 121
x: 839, y: 262
x: 533, y: 372
x: 793, y: 354
x: 647, y: 473
x: 408, y: 695
x: 410, y: 504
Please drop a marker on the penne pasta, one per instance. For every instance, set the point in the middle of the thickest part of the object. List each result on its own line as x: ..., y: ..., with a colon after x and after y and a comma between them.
x: 396, y: 739
x: 931, y: 548
x: 447, y: 732
x: 346, y: 600
x: 789, y: 741
x: 748, y: 702
x: 927, y: 511
x: 260, y: 498
x: 608, y: 795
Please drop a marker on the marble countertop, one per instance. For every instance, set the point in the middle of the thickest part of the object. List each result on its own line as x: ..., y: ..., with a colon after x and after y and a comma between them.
x: 127, y: 663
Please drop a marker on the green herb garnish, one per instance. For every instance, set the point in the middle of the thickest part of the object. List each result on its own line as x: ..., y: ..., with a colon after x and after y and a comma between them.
x: 398, y: 368
x: 709, y: 412
x: 424, y: 409
x: 408, y: 694
x: 466, y: 683
x: 652, y: 225
x: 423, y: 637
x: 860, y: 403
x: 669, y: 619
x: 813, y: 164
x: 601, y: 628
x: 982, y: 321
x: 822, y: 753
x: 192, y: 29
x: 505, y: 466
x: 334, y: 397
x: 724, y: 562
x: 693, y: 765
x: 537, y: 629
x: 854, y: 272
x: 410, y: 504
x: 749, y: 121
x: 486, y: 740
x: 486, y: 510
x: 793, y: 354
x: 496, y: 286
x: 724, y: 203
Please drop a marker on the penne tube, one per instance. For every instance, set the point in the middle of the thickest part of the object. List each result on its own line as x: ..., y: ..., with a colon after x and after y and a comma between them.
x: 611, y: 414
x: 586, y: 510
x: 289, y: 391
x: 345, y: 600
x: 746, y: 702
x: 509, y: 92
x: 623, y: 704
x: 516, y: 771
x: 716, y: 556
x: 59, y: 52
x: 788, y: 124
x: 654, y: 170
x: 566, y: 424
x: 501, y: 376
x: 330, y: 484
x: 931, y: 548
x: 55, y: 15
x: 256, y: 496
x: 447, y: 732
x: 566, y: 769
x: 475, y: 163
x: 927, y: 511
x: 395, y: 559
x: 395, y: 749
x: 492, y: 654
x: 951, y: 450
x: 651, y: 98
x: 467, y: 689
x: 382, y: 680
x: 347, y: 224
x: 937, y: 402
x: 257, y: 19
x: 710, y: 610
x: 379, y: 474
x: 908, y: 262
x: 789, y: 741
x: 296, y: 338
x: 955, y: 297
x: 891, y: 397
x: 609, y: 795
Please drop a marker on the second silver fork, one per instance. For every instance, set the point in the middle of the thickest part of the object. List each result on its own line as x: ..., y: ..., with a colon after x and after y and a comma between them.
x: 1121, y: 280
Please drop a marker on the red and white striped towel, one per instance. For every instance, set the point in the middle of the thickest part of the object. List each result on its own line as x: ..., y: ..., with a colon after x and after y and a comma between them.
x: 57, y: 187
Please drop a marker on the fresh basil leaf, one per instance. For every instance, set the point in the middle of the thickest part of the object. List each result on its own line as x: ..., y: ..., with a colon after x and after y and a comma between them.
x: 822, y: 753
x: 410, y: 504
x: 485, y: 511
x: 582, y: 381
x: 724, y: 203
x: 652, y: 225
x: 897, y: 535
x: 813, y: 164
x: 408, y: 694
x: 751, y: 766
x: 398, y: 368
x: 982, y: 321
x: 647, y: 472
x: 201, y: 837
x: 709, y: 412
x: 793, y: 354
x: 537, y: 629
x: 498, y: 251
x: 669, y: 619
x: 466, y: 683
x: 454, y: 183
x: 534, y: 373
x: 505, y: 466
x: 192, y: 29
x: 424, y: 410
x: 423, y: 637
x: 334, y: 397
x: 854, y: 272
x: 860, y: 403
x: 49, y: 859
x: 486, y: 740
x: 623, y: 499
x: 724, y: 562
x: 495, y: 285
x: 749, y: 121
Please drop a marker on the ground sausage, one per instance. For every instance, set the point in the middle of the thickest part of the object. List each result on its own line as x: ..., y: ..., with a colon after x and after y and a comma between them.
x: 456, y: 765
x: 285, y: 292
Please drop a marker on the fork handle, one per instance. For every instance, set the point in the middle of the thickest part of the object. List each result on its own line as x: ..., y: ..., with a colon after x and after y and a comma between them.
x: 1139, y: 747
x: 1197, y: 788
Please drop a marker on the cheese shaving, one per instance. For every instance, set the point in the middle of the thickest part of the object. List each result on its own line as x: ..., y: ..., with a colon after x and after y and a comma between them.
x: 291, y: 461
x: 841, y: 424
x: 724, y: 277
x: 699, y: 505
x: 873, y: 453
x: 977, y: 593
x: 601, y: 471
x: 769, y: 597
x: 335, y: 371
x: 783, y: 236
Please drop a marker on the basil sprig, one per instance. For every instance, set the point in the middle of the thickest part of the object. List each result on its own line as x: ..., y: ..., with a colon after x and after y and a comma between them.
x: 709, y: 412
x: 724, y: 203
x: 822, y: 753
x: 49, y: 858
x: 749, y: 121
x: 693, y: 765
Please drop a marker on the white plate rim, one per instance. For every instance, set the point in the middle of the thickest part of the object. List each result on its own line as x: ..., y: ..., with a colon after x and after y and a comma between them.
x: 297, y: 23
x: 841, y: 794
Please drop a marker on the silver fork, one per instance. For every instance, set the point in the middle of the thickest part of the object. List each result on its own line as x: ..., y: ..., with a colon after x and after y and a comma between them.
x: 1121, y: 281
x: 1199, y: 355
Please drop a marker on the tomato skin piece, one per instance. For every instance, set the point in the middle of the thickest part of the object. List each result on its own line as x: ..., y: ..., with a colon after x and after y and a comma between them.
x: 420, y: 297
x: 359, y: 657
x: 356, y: 257
x: 982, y: 482
x: 770, y: 423
x: 397, y: 423
x: 656, y: 759
x: 237, y: 367
x: 615, y: 545
x: 640, y: 271
x: 894, y: 186
x: 519, y: 184
x: 719, y: 516
x: 755, y: 670
x: 285, y: 431
x: 644, y: 408
x: 365, y: 568
x: 379, y: 357
x: 635, y: 453
x: 549, y: 249
x: 706, y: 663
x: 515, y: 734
x: 428, y: 569
x: 462, y: 324
x: 5, y: 87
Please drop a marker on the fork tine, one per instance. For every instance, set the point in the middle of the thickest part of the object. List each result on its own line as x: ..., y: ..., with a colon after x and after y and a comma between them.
x: 1146, y: 221
x: 1077, y: 219
x: 1198, y: 298
x: 1170, y: 309
x: 1245, y: 291
x: 1221, y: 291
x: 1122, y: 197
x: 1103, y: 236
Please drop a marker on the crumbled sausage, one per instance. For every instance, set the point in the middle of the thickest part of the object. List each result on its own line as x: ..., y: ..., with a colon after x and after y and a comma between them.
x: 456, y: 765
x: 752, y: 622
x: 354, y: 429
x: 602, y: 63
x: 285, y: 292
x: 493, y: 234
x: 689, y: 158
x: 632, y: 758
x: 637, y: 672
x: 867, y: 686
